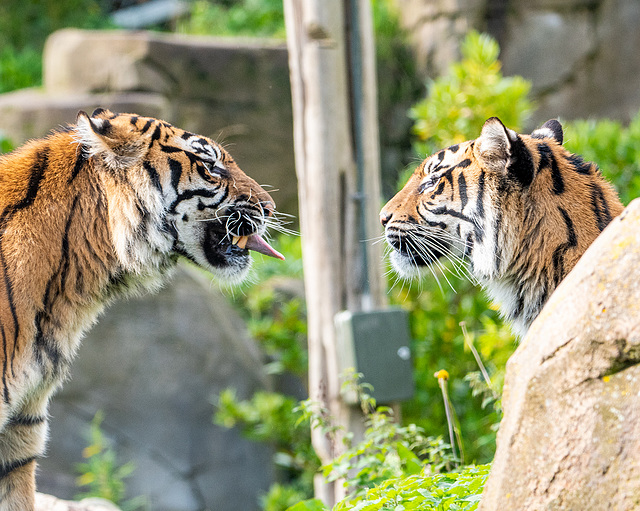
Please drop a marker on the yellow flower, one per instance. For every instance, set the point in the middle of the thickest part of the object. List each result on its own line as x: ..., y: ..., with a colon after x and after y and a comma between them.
x: 441, y: 375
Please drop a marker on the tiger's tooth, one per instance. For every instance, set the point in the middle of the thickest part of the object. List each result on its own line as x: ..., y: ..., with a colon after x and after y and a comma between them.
x: 235, y: 240
x: 242, y: 242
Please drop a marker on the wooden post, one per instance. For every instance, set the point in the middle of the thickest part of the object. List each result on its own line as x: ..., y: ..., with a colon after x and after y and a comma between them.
x: 337, y: 163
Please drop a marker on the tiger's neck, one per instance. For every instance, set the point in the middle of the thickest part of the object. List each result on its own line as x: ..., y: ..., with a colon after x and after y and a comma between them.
x: 72, y: 238
x: 527, y: 251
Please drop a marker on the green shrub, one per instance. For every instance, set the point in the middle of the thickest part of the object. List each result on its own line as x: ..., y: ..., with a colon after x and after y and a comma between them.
x: 24, y: 27
x: 101, y: 475
x: 473, y: 90
x: 611, y: 145
x: 6, y: 145
x: 263, y: 18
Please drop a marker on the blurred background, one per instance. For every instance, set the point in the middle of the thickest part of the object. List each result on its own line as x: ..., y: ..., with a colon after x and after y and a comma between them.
x: 185, y: 400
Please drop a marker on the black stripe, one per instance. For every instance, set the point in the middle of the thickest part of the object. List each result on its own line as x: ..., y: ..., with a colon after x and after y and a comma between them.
x: 462, y: 190
x: 454, y: 148
x: 497, y: 246
x: 176, y: 172
x: 156, y: 134
x: 202, y: 192
x: 25, y: 420
x: 37, y: 171
x: 7, y: 468
x: 579, y: 165
x: 600, y: 207
x: 521, y: 167
x: 480, y: 207
x: 558, y: 254
x: 170, y: 149
x: 547, y: 159
x: 443, y: 210
x: 146, y: 126
x: 5, y: 387
x: 572, y: 239
x: 153, y: 175
x: 81, y: 159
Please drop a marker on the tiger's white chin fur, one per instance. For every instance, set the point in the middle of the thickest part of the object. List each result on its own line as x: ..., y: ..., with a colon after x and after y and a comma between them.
x: 405, y: 267
x: 232, y: 275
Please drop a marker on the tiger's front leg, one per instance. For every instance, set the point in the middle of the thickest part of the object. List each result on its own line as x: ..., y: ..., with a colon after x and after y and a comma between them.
x: 22, y: 441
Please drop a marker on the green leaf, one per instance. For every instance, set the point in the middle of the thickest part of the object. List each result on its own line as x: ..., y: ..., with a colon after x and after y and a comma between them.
x: 309, y: 505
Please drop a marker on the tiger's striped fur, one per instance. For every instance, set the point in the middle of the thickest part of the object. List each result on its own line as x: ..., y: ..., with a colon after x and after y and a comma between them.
x: 93, y: 211
x: 521, y: 209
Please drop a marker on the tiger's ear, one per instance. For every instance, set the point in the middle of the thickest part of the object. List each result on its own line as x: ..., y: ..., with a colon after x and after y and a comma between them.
x: 493, y: 146
x: 101, y: 137
x: 550, y: 129
x: 501, y: 149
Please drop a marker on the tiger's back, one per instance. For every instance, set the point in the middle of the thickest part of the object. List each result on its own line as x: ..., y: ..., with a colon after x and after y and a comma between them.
x: 520, y: 209
x: 100, y: 209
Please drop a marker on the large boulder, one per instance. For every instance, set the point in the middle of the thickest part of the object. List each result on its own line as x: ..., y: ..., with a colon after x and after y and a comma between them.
x: 570, y: 437
x: 154, y: 366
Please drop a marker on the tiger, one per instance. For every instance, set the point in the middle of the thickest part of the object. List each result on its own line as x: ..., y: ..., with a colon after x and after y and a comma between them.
x: 94, y: 211
x: 516, y: 211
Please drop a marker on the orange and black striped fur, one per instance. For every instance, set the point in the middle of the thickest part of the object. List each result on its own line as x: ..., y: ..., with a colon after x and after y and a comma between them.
x: 520, y: 209
x: 93, y: 211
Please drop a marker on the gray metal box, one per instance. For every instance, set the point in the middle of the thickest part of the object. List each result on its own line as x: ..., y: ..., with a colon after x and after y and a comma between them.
x: 376, y: 344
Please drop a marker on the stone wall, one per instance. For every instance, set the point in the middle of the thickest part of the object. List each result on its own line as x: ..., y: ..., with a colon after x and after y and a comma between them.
x: 154, y: 365
x: 235, y: 91
x: 582, y: 56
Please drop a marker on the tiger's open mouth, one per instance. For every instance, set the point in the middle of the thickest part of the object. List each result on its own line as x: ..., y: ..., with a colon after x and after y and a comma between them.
x: 223, y: 249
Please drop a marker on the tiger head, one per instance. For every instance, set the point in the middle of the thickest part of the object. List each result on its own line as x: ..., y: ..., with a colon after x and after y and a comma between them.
x: 172, y: 192
x: 519, y: 209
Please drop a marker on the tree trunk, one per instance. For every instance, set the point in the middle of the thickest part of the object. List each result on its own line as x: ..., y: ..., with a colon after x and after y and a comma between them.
x: 332, y: 68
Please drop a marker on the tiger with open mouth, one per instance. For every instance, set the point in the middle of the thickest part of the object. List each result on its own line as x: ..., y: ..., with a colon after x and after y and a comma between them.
x: 94, y: 211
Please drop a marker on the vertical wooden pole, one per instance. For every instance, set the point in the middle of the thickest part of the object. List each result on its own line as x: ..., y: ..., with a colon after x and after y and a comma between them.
x: 339, y: 201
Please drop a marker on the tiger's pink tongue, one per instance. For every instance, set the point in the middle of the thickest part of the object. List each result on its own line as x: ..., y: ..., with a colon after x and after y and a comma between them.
x: 256, y: 243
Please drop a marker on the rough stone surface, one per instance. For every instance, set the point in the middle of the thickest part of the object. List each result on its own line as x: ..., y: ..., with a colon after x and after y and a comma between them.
x: 49, y: 503
x: 155, y: 365
x: 570, y: 437
x: 235, y: 91
x: 580, y: 55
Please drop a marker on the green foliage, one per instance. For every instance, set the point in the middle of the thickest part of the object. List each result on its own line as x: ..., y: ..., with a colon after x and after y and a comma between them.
x: 453, y: 491
x: 6, y: 146
x: 280, y: 497
x: 263, y: 18
x: 398, y: 88
x: 473, y: 90
x: 24, y: 26
x: 614, y: 147
x: 438, y: 342
x: 100, y: 473
x: 394, y: 467
x: 269, y: 417
x: 387, y: 448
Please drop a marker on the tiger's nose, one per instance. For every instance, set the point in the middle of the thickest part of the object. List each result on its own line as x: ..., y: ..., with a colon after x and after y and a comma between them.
x: 385, y: 217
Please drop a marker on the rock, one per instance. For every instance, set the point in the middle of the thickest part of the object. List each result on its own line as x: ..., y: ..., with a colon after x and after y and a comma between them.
x: 580, y: 55
x: 49, y: 503
x: 570, y: 437
x: 154, y: 365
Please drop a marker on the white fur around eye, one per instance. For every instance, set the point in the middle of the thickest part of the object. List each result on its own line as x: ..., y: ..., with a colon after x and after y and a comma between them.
x: 428, y: 184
